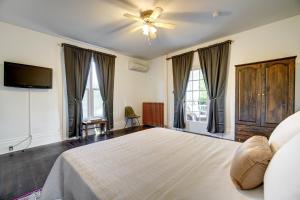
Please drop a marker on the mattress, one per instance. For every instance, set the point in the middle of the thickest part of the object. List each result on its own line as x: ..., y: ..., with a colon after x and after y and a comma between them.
x: 153, y: 164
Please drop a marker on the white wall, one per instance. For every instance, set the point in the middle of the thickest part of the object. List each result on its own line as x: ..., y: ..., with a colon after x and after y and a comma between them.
x: 48, y: 111
x: 157, y: 83
x: 275, y: 40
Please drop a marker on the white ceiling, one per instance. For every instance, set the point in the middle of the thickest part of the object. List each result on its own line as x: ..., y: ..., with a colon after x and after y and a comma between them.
x: 101, y: 22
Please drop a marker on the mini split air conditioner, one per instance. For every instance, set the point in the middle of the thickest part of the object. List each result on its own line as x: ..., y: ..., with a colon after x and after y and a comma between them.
x: 132, y: 65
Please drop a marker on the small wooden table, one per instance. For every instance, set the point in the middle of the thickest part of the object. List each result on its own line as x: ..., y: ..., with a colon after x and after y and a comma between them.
x: 100, y: 122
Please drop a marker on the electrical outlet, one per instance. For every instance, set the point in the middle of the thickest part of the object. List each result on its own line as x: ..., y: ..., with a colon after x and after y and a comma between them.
x: 10, y: 148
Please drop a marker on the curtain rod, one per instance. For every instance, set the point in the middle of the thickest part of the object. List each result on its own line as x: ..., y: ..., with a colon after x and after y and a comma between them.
x: 93, y: 51
x: 230, y: 41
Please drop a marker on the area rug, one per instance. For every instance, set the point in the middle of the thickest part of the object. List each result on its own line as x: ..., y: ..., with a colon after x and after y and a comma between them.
x: 34, y: 195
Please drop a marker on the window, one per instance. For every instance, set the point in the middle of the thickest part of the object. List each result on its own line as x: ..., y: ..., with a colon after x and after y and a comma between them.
x: 92, y: 104
x: 196, y: 99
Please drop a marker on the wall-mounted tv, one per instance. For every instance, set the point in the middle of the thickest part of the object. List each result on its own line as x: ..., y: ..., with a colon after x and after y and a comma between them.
x: 27, y: 76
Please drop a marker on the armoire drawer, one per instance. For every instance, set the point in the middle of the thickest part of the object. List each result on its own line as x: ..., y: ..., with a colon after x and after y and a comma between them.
x: 243, y: 132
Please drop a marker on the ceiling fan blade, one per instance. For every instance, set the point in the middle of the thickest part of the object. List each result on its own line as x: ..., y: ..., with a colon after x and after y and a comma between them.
x: 124, y: 4
x: 161, y: 3
x: 156, y: 13
x: 136, y: 29
x: 130, y: 16
x: 195, y: 17
x: 120, y: 27
x: 164, y: 25
x: 152, y: 35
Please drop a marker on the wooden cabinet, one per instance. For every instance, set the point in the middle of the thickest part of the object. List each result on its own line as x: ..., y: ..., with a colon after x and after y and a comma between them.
x: 265, y: 93
x: 153, y: 114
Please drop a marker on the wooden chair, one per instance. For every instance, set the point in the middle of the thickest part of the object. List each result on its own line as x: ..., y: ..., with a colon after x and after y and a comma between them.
x: 130, y: 115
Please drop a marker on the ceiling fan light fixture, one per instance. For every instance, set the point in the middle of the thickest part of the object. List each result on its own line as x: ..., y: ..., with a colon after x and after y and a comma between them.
x: 150, y: 23
x: 215, y: 14
x: 147, y: 29
x: 153, y: 29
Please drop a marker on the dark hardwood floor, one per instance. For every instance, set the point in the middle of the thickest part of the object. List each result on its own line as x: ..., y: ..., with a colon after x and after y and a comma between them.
x: 22, y: 172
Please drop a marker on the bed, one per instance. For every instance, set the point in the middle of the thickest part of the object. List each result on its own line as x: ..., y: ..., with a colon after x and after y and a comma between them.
x: 152, y: 164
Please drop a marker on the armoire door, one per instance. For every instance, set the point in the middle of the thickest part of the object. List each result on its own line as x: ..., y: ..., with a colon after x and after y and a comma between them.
x: 248, y: 91
x: 278, y: 87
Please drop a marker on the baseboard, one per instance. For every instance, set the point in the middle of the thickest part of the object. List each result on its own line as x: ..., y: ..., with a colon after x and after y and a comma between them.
x: 55, y: 136
x: 121, y: 124
x: 230, y: 133
x: 38, y: 139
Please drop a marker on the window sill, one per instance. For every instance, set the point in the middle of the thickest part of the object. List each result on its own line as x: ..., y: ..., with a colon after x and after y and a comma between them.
x: 91, y: 118
x: 198, y: 122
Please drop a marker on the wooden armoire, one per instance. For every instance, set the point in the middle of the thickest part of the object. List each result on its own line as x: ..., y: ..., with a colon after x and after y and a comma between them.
x: 153, y: 114
x: 265, y: 95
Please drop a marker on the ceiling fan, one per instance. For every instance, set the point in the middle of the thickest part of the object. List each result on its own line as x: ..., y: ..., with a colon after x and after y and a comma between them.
x: 150, y: 23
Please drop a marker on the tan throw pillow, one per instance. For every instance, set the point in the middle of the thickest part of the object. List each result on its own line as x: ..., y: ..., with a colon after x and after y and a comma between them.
x: 250, y: 162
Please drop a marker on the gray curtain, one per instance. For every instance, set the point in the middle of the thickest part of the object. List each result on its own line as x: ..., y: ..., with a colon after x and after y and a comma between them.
x: 105, y: 69
x: 213, y: 63
x: 77, y: 64
x: 181, y: 65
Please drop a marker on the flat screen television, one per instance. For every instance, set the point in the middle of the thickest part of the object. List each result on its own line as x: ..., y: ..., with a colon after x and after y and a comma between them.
x: 27, y: 76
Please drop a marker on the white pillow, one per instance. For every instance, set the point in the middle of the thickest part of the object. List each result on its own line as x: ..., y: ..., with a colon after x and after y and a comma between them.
x: 285, y: 131
x: 282, y: 177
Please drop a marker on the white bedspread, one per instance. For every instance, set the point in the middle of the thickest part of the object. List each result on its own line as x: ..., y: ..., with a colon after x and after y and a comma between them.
x: 153, y: 164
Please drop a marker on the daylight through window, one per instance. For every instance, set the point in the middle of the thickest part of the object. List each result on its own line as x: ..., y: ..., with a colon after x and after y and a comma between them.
x: 92, y: 104
x: 196, y: 97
